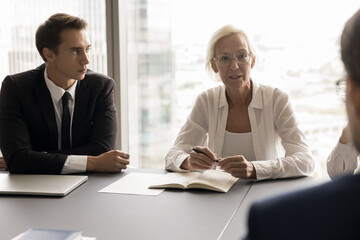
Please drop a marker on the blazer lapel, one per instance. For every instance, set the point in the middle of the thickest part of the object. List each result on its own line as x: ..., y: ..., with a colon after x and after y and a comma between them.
x: 47, y: 108
x: 80, y: 110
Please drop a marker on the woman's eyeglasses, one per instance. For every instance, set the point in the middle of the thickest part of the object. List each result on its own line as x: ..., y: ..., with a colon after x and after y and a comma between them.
x: 241, y: 58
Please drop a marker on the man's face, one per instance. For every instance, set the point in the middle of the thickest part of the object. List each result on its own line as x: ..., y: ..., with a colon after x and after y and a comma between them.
x: 353, y: 109
x: 71, y: 60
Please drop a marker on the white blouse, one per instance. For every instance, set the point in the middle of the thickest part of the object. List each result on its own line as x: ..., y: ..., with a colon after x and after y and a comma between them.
x: 279, y: 145
x: 238, y: 144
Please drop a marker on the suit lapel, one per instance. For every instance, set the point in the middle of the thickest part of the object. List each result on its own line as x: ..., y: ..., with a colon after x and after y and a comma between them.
x: 80, y: 110
x: 47, y: 108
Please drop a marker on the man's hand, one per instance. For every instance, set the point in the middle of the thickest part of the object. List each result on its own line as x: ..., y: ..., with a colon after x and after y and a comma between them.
x: 112, y: 161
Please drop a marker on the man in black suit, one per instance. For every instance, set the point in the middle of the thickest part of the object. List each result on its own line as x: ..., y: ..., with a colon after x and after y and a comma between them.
x: 60, y: 118
x: 332, y: 210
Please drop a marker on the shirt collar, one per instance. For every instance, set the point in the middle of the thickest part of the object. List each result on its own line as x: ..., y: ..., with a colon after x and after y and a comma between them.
x: 256, y: 101
x: 257, y: 97
x: 223, y: 102
x: 57, y: 92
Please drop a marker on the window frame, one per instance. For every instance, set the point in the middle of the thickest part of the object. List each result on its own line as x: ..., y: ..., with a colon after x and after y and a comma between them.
x: 116, y: 35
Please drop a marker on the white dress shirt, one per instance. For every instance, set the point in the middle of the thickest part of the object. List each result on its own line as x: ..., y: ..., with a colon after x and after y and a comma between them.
x: 343, y: 159
x: 74, y: 163
x: 279, y: 145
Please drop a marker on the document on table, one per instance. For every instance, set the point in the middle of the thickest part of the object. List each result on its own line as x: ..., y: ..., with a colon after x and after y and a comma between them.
x: 135, y: 183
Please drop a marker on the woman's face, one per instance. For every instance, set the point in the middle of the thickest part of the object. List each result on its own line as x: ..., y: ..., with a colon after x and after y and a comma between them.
x: 232, y: 73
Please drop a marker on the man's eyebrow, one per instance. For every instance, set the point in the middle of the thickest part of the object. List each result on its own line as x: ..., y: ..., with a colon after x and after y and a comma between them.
x: 75, y: 48
x: 79, y: 48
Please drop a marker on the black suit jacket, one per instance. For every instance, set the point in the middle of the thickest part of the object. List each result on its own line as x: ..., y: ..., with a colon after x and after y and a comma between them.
x: 28, y: 130
x: 329, y: 211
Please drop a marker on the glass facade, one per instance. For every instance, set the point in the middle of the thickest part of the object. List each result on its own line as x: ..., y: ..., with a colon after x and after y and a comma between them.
x: 150, y: 92
x: 21, y: 18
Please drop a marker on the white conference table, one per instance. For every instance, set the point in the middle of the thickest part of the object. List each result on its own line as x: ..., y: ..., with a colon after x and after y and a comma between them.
x: 174, y: 214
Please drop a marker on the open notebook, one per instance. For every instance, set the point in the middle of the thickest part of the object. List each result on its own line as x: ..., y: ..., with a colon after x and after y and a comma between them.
x: 49, y: 185
x: 214, y: 180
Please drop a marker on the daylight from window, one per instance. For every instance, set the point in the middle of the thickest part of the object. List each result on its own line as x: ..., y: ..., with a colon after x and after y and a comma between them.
x: 21, y: 18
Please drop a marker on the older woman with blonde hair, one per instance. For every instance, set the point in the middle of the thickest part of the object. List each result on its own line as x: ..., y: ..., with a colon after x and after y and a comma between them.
x: 249, y: 130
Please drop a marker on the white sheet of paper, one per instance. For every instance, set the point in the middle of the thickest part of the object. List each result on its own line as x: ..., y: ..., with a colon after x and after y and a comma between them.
x: 135, y: 183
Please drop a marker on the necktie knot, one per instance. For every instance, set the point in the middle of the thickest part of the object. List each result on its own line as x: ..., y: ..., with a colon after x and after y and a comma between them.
x: 65, y: 98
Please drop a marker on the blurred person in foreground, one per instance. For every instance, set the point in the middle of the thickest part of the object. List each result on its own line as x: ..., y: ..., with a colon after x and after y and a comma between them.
x: 331, y: 210
x: 60, y: 118
x: 251, y: 129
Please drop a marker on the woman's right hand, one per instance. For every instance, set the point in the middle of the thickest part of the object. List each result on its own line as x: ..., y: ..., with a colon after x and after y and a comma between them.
x: 202, y: 161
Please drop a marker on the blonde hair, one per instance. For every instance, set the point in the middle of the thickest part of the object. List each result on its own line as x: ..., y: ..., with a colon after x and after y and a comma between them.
x: 219, y: 34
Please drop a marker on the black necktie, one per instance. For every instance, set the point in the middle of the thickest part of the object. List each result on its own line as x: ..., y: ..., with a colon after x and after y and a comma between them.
x: 65, y: 123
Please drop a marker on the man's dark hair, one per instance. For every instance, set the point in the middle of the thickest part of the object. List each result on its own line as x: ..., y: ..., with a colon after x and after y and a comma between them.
x: 48, y: 33
x: 350, y: 47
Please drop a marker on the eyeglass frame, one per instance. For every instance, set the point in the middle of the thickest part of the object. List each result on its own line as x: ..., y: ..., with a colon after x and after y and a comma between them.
x: 232, y: 58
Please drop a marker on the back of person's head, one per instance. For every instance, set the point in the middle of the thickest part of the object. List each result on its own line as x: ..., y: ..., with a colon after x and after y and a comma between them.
x: 350, y: 47
x: 226, y: 30
x: 48, y: 34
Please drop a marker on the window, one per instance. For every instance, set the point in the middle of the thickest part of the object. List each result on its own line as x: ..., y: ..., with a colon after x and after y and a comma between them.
x: 21, y: 18
x: 150, y: 81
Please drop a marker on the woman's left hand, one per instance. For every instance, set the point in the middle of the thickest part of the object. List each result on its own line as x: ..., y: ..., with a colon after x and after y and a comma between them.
x: 238, y: 167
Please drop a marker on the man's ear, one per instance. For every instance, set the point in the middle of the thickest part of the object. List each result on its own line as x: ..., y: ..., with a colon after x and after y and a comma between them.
x: 214, y: 66
x: 353, y: 95
x: 48, y: 54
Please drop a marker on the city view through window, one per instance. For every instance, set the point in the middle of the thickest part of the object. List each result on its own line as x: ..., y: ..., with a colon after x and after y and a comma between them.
x: 297, y: 45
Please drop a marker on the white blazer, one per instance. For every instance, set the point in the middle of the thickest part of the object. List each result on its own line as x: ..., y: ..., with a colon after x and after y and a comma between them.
x: 279, y: 145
